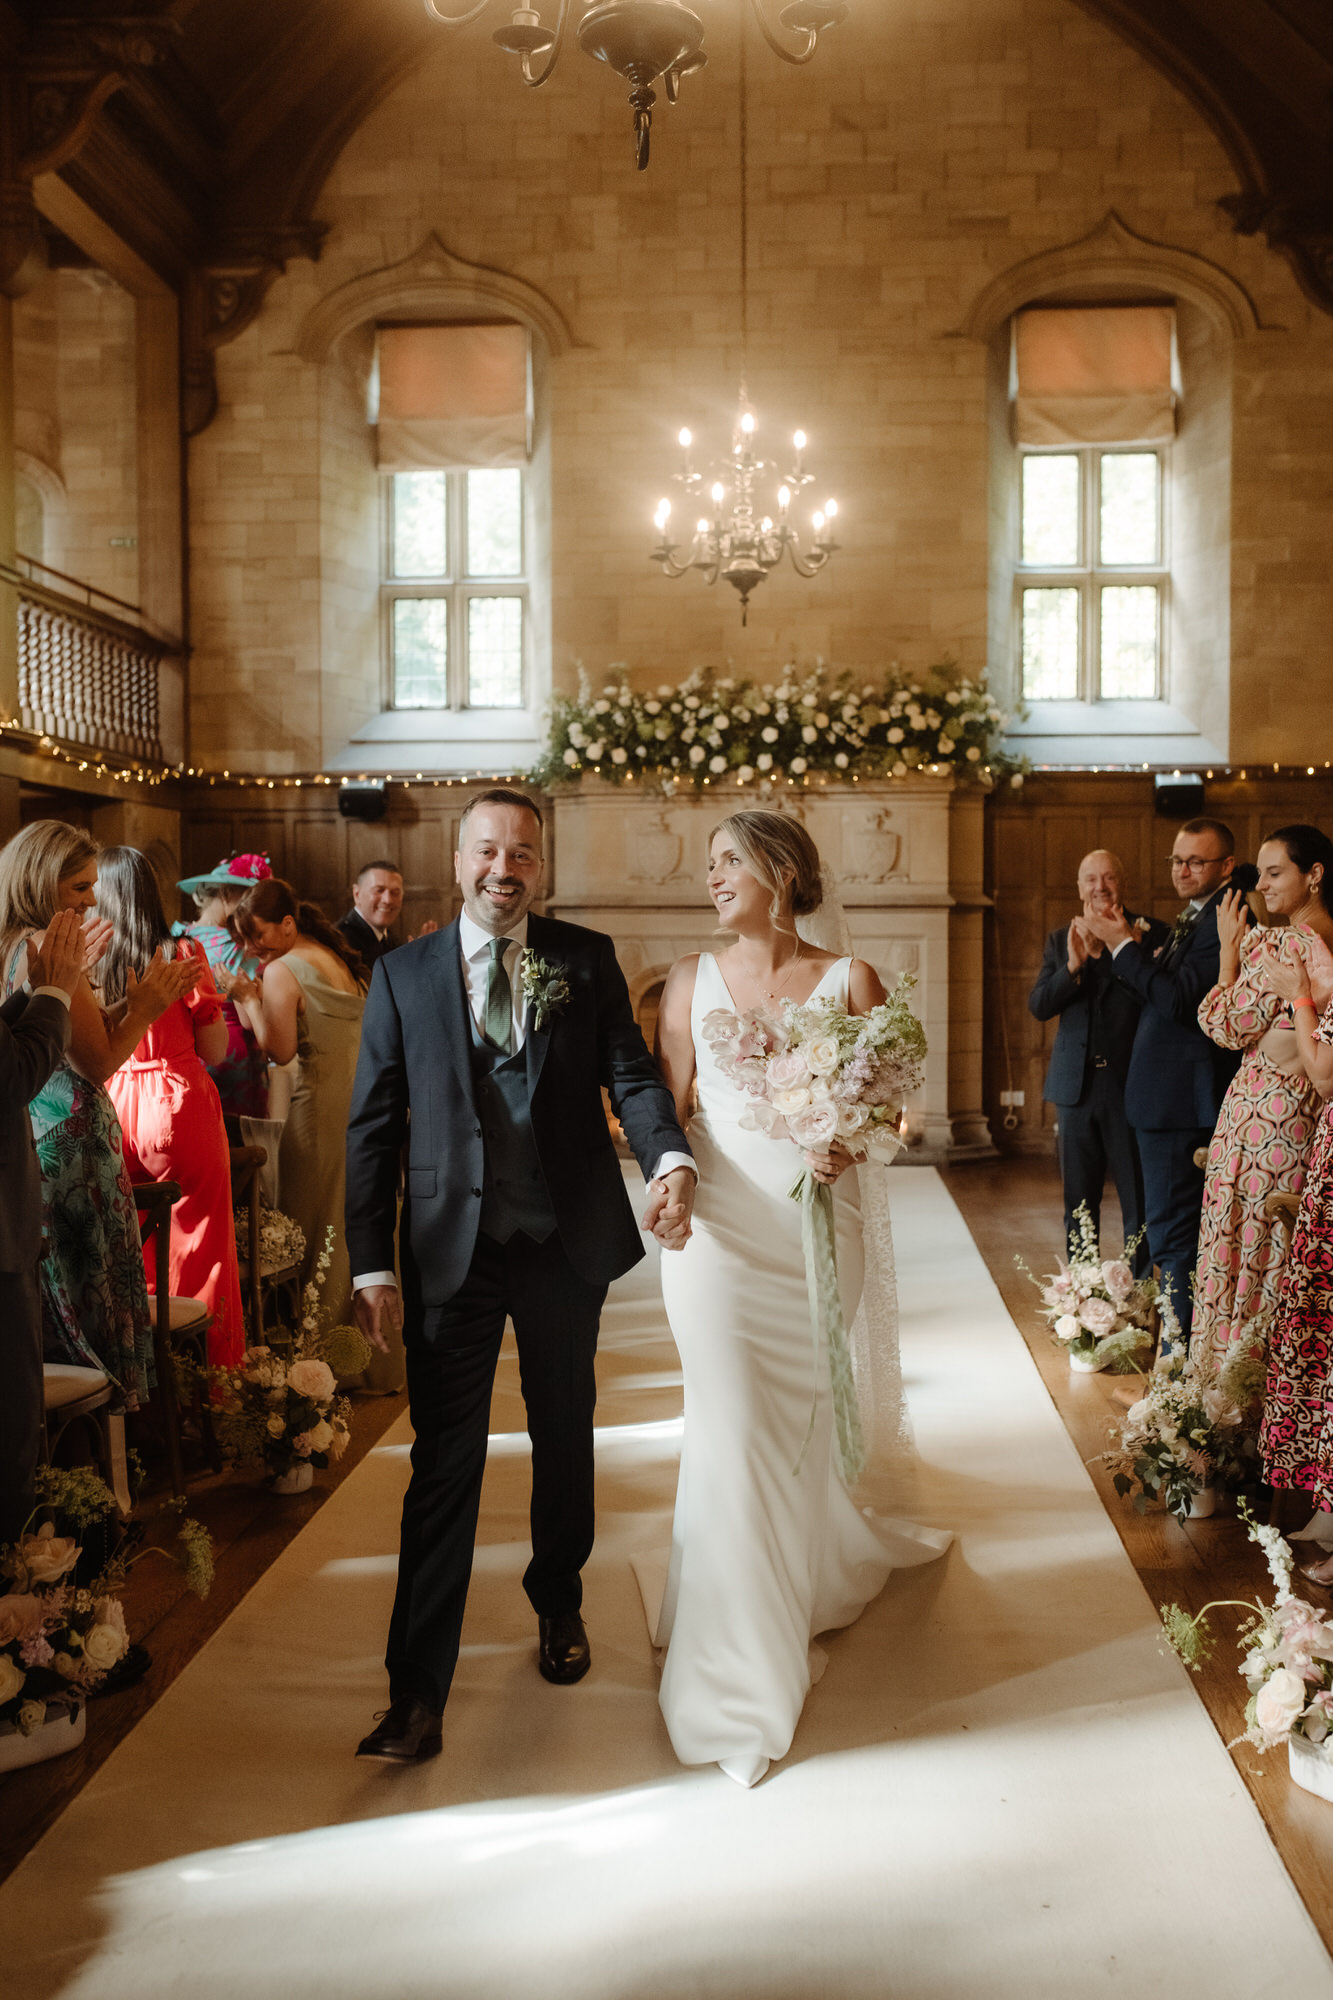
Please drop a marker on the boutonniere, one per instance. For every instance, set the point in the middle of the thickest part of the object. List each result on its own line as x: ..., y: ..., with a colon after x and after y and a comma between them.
x: 1140, y: 927
x: 545, y: 988
x: 1183, y: 925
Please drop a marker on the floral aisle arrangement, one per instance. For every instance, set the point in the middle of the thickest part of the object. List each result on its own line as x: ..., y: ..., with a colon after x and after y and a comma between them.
x: 63, y: 1631
x: 1097, y: 1310
x: 710, y: 727
x: 285, y: 1410
x: 1287, y: 1664
x: 815, y: 1074
x: 281, y: 1240
x: 1181, y: 1437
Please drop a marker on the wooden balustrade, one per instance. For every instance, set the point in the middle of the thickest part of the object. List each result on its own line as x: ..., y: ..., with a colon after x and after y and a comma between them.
x: 86, y: 677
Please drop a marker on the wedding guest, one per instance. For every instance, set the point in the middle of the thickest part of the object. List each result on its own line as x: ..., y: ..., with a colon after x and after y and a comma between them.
x: 308, y: 1003
x: 34, y: 1034
x: 1097, y: 1017
x: 1296, y: 1434
x: 242, y: 1074
x: 167, y: 1103
x: 377, y: 898
x: 1177, y: 1078
x: 95, y: 1310
x: 1270, y: 1114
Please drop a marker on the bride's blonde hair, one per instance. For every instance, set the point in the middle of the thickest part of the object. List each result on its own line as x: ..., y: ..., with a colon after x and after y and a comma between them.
x: 778, y: 852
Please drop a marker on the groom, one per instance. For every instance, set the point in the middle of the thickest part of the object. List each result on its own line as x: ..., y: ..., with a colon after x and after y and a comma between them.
x: 484, y: 1049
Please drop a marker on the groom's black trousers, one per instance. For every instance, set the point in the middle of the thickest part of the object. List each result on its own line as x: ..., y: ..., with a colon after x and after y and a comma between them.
x: 452, y: 1351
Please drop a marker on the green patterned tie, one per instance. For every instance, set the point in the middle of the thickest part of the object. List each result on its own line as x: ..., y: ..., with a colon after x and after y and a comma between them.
x: 498, y: 1020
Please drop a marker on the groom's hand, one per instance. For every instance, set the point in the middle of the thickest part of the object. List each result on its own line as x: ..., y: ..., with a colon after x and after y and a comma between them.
x: 670, y: 1203
x: 375, y: 1305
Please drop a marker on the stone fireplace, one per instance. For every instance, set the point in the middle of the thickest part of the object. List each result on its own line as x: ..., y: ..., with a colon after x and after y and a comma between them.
x: 907, y: 856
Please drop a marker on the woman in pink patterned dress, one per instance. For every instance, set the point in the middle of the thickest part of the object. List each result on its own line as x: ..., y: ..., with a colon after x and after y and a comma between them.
x: 1270, y: 1114
x: 1296, y: 1435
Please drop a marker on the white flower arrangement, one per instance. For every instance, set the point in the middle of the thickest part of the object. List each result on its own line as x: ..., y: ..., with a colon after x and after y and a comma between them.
x: 1099, y: 1313
x: 284, y: 1408
x: 1287, y: 1648
x: 1183, y: 1434
x: 707, y: 728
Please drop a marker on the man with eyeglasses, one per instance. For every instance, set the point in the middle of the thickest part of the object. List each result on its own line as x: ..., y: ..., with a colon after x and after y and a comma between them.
x: 1177, y: 1076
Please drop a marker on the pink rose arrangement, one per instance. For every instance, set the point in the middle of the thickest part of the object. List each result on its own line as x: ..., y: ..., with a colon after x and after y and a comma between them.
x: 1287, y: 1648
x: 1097, y: 1310
x: 1183, y: 1434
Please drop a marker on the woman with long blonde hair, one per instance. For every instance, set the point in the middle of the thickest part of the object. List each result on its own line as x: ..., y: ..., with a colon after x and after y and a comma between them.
x: 768, y: 1545
x: 95, y: 1310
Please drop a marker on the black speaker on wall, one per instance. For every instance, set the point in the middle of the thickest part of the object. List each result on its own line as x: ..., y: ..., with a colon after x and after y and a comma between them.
x: 363, y: 798
x: 1177, y: 795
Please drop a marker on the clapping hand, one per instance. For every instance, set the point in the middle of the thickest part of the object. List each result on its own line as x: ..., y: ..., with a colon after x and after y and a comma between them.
x: 166, y: 981
x: 670, y: 1205
x: 1111, y: 930
x: 1282, y: 973
x: 1233, y: 920
x: 97, y: 935
x: 64, y: 955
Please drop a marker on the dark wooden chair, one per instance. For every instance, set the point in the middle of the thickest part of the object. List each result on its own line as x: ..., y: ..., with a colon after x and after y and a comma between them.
x: 272, y: 1291
x: 180, y: 1326
x: 84, y: 1399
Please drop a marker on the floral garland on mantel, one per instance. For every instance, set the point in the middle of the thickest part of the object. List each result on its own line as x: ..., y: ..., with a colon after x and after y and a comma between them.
x: 712, y: 727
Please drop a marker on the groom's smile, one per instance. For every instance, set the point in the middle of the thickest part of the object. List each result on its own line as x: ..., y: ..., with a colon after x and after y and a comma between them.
x: 498, y: 865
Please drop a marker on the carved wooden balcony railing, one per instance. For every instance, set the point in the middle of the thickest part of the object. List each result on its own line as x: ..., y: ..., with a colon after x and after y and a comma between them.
x: 85, y: 675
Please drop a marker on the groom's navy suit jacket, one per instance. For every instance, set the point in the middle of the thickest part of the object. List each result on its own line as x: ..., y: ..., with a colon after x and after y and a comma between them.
x: 1177, y: 1076
x: 414, y: 1082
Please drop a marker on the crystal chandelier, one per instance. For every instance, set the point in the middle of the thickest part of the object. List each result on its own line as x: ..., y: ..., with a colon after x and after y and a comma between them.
x: 736, y: 542
x: 645, y: 41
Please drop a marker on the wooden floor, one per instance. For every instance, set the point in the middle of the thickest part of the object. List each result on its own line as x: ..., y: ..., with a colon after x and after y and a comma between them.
x: 1011, y: 1206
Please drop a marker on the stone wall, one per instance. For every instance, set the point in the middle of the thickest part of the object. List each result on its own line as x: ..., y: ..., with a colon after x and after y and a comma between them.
x: 926, y: 151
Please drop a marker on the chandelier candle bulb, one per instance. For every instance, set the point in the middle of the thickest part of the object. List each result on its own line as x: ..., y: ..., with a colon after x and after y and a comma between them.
x: 784, y: 499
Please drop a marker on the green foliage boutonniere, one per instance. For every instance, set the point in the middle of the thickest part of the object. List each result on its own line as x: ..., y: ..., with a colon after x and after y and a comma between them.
x: 545, y: 988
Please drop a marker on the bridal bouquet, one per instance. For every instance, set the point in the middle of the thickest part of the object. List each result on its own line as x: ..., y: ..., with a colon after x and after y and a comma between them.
x: 1097, y: 1310
x: 815, y: 1074
x: 1287, y: 1663
x: 285, y: 1409
x: 1182, y: 1435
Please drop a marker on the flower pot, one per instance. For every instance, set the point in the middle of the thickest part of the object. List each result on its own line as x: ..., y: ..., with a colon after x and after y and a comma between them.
x: 1311, y: 1767
x: 1084, y: 1364
x: 64, y: 1729
x: 299, y: 1478
x: 1204, y: 1504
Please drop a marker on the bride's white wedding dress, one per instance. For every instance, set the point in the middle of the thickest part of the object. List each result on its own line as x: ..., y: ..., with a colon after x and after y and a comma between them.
x: 768, y: 1547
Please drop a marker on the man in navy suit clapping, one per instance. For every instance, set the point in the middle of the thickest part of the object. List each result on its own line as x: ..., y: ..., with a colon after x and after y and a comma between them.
x: 1177, y: 1077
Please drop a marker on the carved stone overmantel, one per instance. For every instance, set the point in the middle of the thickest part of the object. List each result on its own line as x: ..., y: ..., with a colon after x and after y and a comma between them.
x: 630, y: 860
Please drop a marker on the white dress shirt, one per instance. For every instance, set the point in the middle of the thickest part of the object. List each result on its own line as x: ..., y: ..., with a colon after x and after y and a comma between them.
x: 475, y: 947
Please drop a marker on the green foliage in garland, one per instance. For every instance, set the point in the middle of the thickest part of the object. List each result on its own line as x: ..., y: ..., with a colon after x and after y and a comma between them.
x: 711, y: 727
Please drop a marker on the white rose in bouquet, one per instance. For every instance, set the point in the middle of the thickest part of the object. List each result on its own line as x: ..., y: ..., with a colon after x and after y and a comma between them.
x: 275, y: 1426
x: 311, y: 1378
x: 788, y: 1072
x: 103, y: 1646
x: 1279, y: 1701
x: 815, y: 1127
x: 821, y: 1054
x: 321, y: 1437
x: 1098, y: 1316
x: 789, y: 1102
x: 1067, y: 1327
x: 48, y: 1556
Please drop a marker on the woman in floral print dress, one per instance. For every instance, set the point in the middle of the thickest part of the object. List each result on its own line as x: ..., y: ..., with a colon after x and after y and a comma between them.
x: 1296, y: 1434
x: 1270, y: 1115
x: 95, y: 1310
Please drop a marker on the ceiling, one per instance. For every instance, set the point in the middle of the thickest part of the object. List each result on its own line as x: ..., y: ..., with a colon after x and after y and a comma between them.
x: 218, y: 150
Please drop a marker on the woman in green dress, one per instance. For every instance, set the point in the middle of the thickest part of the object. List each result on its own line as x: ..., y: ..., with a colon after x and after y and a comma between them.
x: 307, y: 1002
x: 95, y: 1310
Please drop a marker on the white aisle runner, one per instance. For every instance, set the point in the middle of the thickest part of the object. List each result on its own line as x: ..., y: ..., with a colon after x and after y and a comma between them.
x: 1000, y: 1787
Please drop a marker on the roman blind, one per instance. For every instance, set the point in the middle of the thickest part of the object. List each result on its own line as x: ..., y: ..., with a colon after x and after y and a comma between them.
x: 452, y: 396
x: 1094, y: 375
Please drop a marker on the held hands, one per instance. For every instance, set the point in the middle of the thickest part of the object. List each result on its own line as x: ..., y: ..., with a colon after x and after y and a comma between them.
x: 375, y: 1306
x: 64, y: 954
x: 670, y: 1205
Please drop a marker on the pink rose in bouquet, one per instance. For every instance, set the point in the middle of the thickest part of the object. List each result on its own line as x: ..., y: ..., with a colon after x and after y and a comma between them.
x: 1118, y: 1280
x: 1098, y: 1316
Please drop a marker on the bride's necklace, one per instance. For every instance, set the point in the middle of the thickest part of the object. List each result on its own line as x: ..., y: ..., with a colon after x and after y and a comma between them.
x: 780, y: 979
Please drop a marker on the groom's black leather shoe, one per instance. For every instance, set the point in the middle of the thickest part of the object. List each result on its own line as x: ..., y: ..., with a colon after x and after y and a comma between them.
x: 408, y: 1733
x: 563, y: 1653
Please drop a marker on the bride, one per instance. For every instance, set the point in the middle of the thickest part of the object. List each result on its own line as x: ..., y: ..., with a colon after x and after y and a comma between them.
x: 768, y: 1547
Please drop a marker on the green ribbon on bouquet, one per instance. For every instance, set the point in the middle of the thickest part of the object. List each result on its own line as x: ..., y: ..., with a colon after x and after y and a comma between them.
x: 819, y: 1242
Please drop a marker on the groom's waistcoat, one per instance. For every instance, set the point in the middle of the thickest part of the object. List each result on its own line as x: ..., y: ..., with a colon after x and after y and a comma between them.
x: 513, y: 1189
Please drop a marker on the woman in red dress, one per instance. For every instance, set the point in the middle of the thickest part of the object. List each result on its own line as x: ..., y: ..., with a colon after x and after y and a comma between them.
x: 168, y: 1104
